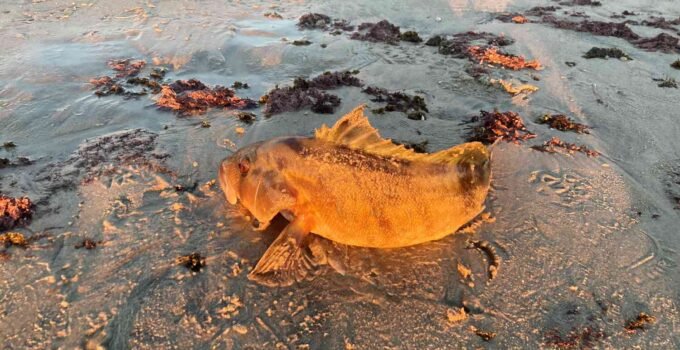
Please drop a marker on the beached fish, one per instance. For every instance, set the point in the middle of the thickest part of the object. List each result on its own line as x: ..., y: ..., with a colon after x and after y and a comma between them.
x: 351, y: 186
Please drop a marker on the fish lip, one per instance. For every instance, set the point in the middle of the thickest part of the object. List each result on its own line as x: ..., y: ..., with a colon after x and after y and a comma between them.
x: 229, y: 193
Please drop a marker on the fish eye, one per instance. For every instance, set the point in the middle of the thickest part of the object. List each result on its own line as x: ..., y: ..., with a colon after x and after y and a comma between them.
x: 244, y: 166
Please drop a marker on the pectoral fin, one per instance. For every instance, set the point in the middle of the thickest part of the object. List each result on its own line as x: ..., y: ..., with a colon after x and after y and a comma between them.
x: 288, y: 259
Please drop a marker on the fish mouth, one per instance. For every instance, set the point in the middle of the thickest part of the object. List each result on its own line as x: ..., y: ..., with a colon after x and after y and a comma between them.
x: 229, y: 192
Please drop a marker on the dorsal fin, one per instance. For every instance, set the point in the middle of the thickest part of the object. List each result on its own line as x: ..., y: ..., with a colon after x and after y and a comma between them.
x: 354, y: 131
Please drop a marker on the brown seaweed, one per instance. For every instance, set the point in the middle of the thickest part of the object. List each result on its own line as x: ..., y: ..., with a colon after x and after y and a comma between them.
x: 641, y: 321
x: 551, y: 146
x: 676, y: 64
x: 309, y: 93
x: 188, y: 97
x: 194, y: 261
x: 87, y: 243
x: 662, y: 42
x: 563, y: 123
x: 14, y: 212
x: 414, y: 106
x: 323, y: 22
x: 618, y: 30
x: 583, y: 338
x: 382, y: 31
x: 601, y: 52
x: 126, y: 67
x: 493, y: 56
x: 495, y: 125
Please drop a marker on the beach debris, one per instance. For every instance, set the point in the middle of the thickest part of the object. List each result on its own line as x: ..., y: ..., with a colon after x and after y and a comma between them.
x: 563, y: 123
x: 493, y: 56
x: 383, y: 31
x: 485, y: 335
x: 14, y: 212
x: 87, y: 243
x: 414, y: 106
x: 301, y: 42
x: 126, y: 67
x: 19, y: 161
x: 641, y: 322
x: 600, y: 28
x: 570, y: 63
x: 246, y: 117
x: 519, y: 19
x: 191, y: 96
x: 11, y: 144
x: 495, y: 125
x: 323, y: 22
x: 580, y: 3
x: 273, y: 15
x: 457, y: 45
x: 676, y: 64
x: 551, y: 146
x: 662, y: 42
x: 13, y: 239
x: 158, y: 73
x: 456, y: 315
x: 667, y: 82
x: 205, y: 123
x: 410, y: 36
x: 486, y: 248
x: 513, y: 89
x: 584, y: 338
x: 309, y: 93
x: 239, y: 85
x: 601, y: 52
x: 152, y: 84
x: 194, y: 261
x: 463, y: 271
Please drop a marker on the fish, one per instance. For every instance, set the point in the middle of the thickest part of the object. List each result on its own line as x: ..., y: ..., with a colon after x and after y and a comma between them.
x: 351, y: 186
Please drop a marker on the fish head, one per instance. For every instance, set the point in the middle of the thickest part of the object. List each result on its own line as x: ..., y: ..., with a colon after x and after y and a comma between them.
x: 253, y: 177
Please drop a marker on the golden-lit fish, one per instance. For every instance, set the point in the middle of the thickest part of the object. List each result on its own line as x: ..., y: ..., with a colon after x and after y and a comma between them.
x: 351, y: 186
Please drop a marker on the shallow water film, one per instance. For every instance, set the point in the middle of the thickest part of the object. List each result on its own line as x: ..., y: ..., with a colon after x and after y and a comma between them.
x: 115, y: 115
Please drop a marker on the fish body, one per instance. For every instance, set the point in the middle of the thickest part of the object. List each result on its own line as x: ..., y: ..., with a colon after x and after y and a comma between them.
x: 351, y: 186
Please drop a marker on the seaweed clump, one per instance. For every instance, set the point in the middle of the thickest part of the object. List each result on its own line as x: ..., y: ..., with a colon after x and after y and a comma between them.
x: 639, y: 323
x: 585, y: 338
x: 382, y: 31
x: 551, y: 146
x: 194, y: 97
x: 601, y: 52
x: 194, y: 261
x: 493, y: 56
x: 676, y: 64
x: 458, y: 45
x: 495, y: 125
x: 126, y: 67
x: 662, y: 42
x: 414, y: 106
x: 581, y: 3
x: 563, y: 123
x: 14, y: 212
x: 323, y: 22
x: 667, y: 83
x: 618, y: 30
x: 13, y: 239
x: 87, y: 243
x: 309, y: 93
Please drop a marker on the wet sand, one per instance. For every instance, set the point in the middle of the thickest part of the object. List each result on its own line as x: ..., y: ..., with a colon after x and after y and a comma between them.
x: 585, y: 244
